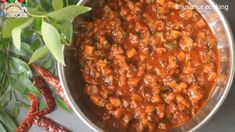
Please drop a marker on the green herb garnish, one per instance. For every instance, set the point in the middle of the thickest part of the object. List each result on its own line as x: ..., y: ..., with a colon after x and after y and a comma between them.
x: 39, y: 38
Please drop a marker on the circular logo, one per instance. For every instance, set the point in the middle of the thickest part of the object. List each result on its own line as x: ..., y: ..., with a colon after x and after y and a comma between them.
x: 15, y: 9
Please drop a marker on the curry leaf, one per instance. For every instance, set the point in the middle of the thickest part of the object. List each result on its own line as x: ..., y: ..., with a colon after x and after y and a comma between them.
x: 16, y: 33
x: 36, y: 44
x: 26, y: 33
x: 42, y: 105
x: 19, y: 67
x: 15, y: 111
x: 5, y: 99
x: 8, y: 123
x: 72, y: 2
x: 25, y: 52
x: 45, y: 4
x: 52, y: 41
x: 4, y: 42
x: 10, y: 24
x: 2, y: 45
x: 3, y: 60
x: 2, y: 129
x: 48, y: 63
x: 57, y: 4
x: 62, y: 104
x: 66, y: 33
x: 68, y: 12
x: 22, y: 85
x: 23, y: 105
x: 37, y: 24
x: 38, y: 54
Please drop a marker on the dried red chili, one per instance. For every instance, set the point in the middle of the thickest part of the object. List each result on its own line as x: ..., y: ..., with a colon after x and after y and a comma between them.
x: 49, y: 77
x: 33, y: 112
x: 49, y: 125
x: 52, y: 80
x: 34, y: 104
x: 27, y: 123
x: 48, y: 97
x: 44, y: 122
x: 36, y: 117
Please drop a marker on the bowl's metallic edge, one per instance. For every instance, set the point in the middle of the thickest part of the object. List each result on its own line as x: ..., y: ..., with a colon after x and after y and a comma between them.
x: 73, y: 105
x: 64, y: 85
x: 203, y: 122
x: 231, y: 71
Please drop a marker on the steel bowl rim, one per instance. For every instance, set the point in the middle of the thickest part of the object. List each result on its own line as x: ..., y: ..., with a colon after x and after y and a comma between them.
x: 71, y: 101
x: 229, y: 33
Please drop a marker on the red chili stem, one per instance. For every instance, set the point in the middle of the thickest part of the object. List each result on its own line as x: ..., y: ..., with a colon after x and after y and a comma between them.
x: 52, y: 80
x: 27, y: 123
x: 49, y: 125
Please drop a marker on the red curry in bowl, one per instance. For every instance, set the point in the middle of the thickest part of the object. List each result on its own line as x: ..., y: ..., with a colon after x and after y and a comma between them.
x: 148, y: 65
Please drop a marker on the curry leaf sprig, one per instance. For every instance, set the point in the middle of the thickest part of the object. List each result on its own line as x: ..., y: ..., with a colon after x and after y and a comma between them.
x: 48, y: 25
x: 39, y: 38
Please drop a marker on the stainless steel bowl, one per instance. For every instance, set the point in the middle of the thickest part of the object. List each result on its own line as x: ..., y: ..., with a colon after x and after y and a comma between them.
x: 73, y: 83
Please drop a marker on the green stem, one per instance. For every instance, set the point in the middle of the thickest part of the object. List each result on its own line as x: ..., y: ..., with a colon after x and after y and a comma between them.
x: 33, y: 15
